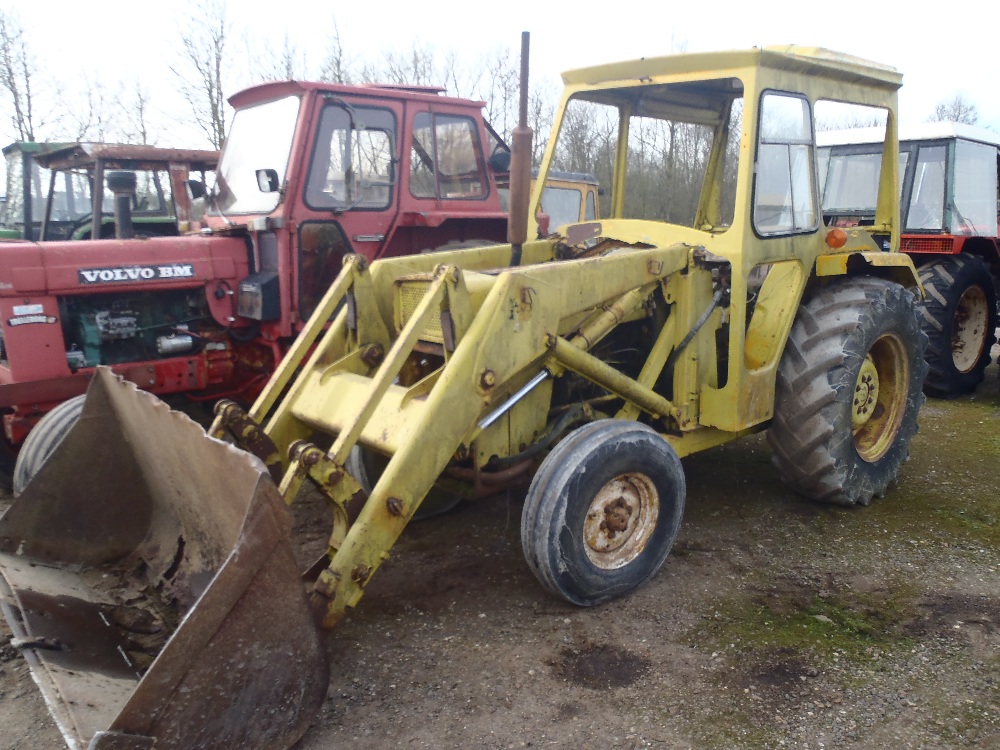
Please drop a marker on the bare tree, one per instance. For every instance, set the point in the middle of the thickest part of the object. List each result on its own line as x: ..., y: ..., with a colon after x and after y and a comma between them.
x: 200, y: 71
x: 91, y: 118
x: 288, y: 64
x: 541, y: 112
x: 336, y: 67
x: 499, y: 77
x: 17, y: 73
x: 957, y: 110
x: 415, y: 67
x: 135, y: 114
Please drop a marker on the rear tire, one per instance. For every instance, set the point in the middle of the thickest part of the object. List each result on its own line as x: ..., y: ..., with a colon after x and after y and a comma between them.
x: 603, y: 511
x: 848, y: 391
x: 43, y: 440
x: 959, y: 316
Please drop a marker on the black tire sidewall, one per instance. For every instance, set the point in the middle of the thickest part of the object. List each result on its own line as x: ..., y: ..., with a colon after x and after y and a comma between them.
x: 43, y: 440
x: 945, y: 380
x: 634, y: 451
x: 884, y: 316
x: 811, y: 434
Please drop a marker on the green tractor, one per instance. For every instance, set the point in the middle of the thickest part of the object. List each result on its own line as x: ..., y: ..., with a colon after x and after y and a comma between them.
x: 50, y: 192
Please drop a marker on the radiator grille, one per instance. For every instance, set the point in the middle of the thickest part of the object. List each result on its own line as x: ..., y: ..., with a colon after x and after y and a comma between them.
x: 408, y: 296
x: 936, y: 245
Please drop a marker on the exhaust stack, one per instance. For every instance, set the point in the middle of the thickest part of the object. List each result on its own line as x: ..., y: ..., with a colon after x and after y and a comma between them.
x: 520, y: 165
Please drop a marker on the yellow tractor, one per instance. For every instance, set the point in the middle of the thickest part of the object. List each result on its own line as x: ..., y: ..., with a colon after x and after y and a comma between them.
x: 149, y: 571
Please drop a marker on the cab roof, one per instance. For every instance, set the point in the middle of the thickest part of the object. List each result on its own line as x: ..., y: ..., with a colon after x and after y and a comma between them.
x: 808, y: 60
x: 276, y: 89
x: 920, y: 131
x: 124, y: 156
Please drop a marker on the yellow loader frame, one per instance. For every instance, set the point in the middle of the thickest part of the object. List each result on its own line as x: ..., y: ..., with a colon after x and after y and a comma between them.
x: 502, y: 333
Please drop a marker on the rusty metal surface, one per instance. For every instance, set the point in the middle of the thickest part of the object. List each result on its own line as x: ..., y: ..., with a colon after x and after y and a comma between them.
x: 148, y: 571
x: 125, y: 156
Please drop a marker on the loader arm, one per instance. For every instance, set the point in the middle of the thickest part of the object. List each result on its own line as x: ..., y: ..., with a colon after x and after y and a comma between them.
x: 497, y: 329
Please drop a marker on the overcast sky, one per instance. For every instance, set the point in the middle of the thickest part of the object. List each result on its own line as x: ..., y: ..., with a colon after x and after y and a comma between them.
x: 940, y: 55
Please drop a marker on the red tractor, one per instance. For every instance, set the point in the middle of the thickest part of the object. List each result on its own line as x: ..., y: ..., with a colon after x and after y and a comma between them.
x: 310, y: 172
x: 949, y: 197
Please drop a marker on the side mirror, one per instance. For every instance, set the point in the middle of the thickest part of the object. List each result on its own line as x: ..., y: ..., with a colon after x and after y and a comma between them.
x: 500, y: 161
x: 197, y: 188
x: 267, y: 180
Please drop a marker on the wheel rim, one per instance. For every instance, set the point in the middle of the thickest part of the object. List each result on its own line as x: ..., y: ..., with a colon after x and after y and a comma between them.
x: 620, y: 520
x: 968, y: 334
x: 880, y: 395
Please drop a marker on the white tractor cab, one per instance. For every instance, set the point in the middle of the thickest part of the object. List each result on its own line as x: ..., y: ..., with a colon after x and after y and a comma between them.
x: 950, y: 194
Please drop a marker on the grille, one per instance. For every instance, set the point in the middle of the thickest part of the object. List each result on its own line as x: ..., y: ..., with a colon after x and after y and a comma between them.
x: 926, y: 244
x: 408, y: 296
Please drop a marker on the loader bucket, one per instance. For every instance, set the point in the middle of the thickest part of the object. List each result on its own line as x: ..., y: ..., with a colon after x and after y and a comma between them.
x: 148, y: 577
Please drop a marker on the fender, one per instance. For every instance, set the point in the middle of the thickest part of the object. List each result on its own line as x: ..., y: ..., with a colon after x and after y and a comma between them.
x: 895, y: 266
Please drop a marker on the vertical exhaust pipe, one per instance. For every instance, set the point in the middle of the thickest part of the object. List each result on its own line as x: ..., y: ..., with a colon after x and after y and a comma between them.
x: 520, y: 166
x: 122, y: 184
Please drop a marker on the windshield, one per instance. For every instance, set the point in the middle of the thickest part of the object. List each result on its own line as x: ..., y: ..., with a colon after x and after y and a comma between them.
x: 670, y: 146
x: 974, y: 202
x: 71, y: 197
x: 13, y: 209
x: 260, y: 138
x: 849, y: 181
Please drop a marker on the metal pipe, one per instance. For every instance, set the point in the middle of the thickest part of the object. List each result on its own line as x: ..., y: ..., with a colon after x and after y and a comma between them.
x: 593, y: 330
x: 579, y: 361
x: 507, y: 405
x: 520, y: 167
x: 716, y: 299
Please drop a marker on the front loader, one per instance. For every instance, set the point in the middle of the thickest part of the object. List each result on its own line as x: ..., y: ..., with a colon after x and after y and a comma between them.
x: 710, y: 304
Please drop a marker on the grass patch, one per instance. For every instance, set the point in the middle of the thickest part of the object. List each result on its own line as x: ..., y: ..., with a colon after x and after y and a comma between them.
x: 807, y: 625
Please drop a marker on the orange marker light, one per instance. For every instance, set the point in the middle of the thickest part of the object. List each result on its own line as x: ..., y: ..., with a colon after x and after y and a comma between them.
x: 836, y: 238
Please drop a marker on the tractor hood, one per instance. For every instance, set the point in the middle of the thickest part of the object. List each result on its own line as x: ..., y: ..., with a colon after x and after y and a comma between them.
x: 107, y: 265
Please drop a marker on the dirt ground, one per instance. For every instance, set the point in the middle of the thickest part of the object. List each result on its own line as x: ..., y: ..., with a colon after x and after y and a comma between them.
x: 775, y: 623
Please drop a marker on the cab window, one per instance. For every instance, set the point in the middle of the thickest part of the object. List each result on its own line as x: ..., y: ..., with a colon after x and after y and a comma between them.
x: 784, y: 190
x: 352, y: 162
x: 446, y: 158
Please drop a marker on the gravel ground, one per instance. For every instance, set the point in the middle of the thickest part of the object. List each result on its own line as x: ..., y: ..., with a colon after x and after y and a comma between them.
x: 775, y: 623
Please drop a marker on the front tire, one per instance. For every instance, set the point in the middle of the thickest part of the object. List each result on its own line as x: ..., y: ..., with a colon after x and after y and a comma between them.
x: 366, y: 466
x: 959, y: 316
x: 43, y: 440
x: 603, y: 511
x: 848, y: 391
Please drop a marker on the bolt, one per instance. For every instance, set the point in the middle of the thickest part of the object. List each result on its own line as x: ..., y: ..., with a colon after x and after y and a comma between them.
x: 616, y: 517
x: 372, y: 355
x: 360, y: 573
x: 488, y: 379
x: 394, y: 505
x: 305, y: 452
x: 224, y: 407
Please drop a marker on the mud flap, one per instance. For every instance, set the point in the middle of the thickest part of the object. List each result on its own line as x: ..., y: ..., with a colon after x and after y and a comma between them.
x: 148, y: 576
